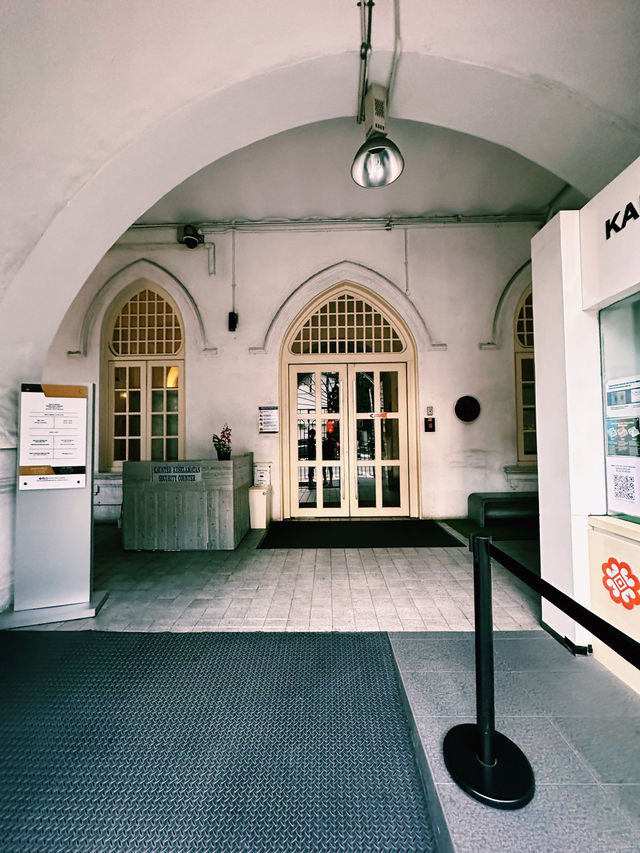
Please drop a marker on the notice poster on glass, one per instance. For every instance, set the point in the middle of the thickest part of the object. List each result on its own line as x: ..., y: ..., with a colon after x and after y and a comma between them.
x: 53, y: 437
x: 622, y: 427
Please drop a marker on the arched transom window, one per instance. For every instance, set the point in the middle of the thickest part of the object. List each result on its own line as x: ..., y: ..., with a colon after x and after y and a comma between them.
x: 525, y: 378
x: 346, y: 323
x: 144, y: 417
x: 146, y: 325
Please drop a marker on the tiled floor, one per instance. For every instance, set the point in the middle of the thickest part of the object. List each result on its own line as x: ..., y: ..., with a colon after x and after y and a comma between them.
x: 376, y: 589
x: 576, y: 722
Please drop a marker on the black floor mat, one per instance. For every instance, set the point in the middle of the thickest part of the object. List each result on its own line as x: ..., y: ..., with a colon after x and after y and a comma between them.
x: 205, y: 742
x: 400, y: 533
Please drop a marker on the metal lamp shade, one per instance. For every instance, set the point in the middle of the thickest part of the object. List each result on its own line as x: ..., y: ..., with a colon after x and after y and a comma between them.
x: 378, y: 162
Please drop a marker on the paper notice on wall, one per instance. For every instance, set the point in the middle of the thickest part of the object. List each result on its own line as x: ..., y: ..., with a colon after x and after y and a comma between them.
x: 53, y: 437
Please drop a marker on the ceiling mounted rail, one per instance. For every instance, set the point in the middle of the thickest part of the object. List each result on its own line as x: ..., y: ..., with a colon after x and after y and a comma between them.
x: 385, y: 223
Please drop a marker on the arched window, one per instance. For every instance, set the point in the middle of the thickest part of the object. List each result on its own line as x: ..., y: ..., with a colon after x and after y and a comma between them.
x: 144, y: 355
x: 346, y: 323
x: 525, y: 379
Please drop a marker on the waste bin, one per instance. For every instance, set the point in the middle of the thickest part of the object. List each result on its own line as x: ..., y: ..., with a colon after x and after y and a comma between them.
x: 260, y: 506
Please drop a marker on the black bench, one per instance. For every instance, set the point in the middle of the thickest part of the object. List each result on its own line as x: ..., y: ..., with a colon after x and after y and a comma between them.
x: 484, y: 505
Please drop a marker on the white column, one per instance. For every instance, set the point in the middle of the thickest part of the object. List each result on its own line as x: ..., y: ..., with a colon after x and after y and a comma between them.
x: 569, y: 417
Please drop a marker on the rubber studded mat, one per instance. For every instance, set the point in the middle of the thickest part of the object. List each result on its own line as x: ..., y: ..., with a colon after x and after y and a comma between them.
x: 205, y: 742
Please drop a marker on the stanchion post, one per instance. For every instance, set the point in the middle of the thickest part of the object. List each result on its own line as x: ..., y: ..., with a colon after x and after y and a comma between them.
x: 484, y: 763
x: 483, y: 608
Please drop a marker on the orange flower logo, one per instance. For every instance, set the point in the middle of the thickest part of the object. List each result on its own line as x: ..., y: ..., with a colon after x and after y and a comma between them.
x: 622, y: 584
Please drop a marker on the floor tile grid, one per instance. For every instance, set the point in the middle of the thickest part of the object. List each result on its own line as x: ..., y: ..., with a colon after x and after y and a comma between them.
x: 400, y: 589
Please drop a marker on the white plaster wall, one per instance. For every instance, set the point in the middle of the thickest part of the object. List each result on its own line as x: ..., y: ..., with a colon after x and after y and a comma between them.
x: 456, y: 277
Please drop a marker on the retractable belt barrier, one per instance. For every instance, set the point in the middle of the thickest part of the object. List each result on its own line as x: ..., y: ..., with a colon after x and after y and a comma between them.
x: 484, y: 763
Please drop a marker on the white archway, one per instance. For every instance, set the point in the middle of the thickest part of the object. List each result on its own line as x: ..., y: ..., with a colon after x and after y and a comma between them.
x: 453, y: 94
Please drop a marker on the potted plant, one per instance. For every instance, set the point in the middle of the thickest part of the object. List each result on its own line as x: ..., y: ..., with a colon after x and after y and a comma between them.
x: 222, y: 442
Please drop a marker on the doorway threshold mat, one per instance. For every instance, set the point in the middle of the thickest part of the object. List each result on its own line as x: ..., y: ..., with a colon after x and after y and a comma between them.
x: 201, y: 742
x: 401, y: 533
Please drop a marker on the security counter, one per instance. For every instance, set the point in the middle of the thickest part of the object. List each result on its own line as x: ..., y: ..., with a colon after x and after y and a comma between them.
x: 191, y: 505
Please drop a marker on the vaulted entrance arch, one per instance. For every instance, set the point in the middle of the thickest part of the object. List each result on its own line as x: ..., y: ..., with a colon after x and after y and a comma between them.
x: 349, y: 408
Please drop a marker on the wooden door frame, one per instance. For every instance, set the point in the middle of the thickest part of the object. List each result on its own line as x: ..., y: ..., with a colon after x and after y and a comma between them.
x: 408, y: 356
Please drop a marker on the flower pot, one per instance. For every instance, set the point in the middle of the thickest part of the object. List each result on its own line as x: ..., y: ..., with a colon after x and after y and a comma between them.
x: 223, y: 454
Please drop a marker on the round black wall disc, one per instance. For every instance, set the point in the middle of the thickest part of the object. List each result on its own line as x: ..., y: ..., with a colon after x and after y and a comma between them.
x: 467, y: 409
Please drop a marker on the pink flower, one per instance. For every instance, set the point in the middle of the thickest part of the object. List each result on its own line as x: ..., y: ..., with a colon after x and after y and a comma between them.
x: 223, y: 441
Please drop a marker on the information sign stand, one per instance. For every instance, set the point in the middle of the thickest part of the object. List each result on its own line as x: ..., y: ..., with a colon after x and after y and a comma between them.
x: 54, y: 507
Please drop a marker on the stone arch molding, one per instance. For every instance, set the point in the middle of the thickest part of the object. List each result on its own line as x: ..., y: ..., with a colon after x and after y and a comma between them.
x: 359, y: 274
x: 124, y: 279
x: 505, y: 306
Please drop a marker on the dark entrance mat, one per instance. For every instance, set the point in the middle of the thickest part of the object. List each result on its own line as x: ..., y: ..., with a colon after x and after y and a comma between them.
x: 358, y: 534
x: 205, y: 742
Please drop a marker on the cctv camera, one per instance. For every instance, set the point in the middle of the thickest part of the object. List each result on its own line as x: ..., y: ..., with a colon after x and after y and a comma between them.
x: 190, y: 236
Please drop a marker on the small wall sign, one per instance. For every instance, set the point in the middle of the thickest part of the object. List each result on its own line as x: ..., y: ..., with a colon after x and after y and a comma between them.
x: 620, y: 582
x: 268, y: 419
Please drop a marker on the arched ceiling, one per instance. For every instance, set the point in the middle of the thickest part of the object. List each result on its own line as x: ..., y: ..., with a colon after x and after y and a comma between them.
x: 304, y: 173
x: 108, y: 106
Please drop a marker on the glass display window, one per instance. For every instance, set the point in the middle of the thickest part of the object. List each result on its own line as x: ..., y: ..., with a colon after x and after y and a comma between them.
x: 620, y: 347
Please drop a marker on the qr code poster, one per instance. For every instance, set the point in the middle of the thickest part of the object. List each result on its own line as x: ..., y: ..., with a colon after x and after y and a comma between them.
x: 623, y: 485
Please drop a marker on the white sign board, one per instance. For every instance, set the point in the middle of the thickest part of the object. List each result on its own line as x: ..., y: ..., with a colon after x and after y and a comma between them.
x: 262, y: 475
x: 53, y: 437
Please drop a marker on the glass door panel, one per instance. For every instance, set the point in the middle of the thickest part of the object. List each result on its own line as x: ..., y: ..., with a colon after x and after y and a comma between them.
x: 366, y: 480
x: 365, y: 391
x: 366, y: 439
x: 317, y: 477
x: 391, y: 491
x: 378, y: 435
x: 306, y: 445
x: 306, y: 393
x: 389, y: 390
x: 390, y: 439
x: 348, y: 434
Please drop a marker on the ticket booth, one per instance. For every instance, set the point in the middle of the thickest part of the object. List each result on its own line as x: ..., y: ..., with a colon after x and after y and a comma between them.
x: 586, y: 293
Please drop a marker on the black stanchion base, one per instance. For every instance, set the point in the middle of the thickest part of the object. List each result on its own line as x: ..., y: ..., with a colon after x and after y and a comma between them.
x: 508, y: 784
